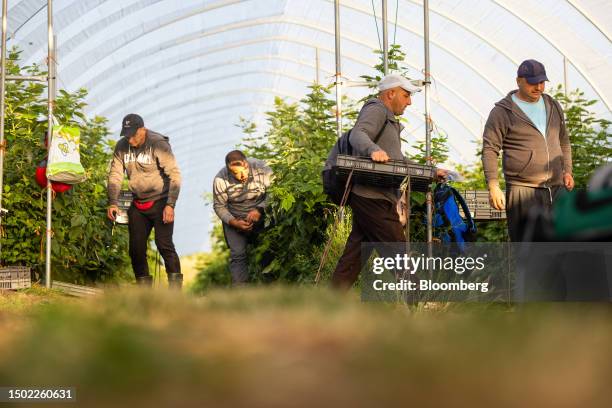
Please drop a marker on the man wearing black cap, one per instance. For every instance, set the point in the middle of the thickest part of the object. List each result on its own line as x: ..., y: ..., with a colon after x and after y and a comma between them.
x: 155, y: 180
x: 528, y: 125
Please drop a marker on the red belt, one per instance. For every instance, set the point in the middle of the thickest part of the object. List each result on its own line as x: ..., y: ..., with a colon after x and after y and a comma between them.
x: 144, y: 205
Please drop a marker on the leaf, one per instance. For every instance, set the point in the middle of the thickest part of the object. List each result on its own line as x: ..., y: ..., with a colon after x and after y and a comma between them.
x: 287, y: 202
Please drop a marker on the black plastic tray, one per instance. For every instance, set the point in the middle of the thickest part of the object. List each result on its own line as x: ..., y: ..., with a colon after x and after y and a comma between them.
x: 389, y: 174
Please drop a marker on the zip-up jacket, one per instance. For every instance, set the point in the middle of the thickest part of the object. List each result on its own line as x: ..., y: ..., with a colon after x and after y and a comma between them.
x: 151, y: 170
x: 233, y: 199
x: 372, y: 117
x: 529, y: 158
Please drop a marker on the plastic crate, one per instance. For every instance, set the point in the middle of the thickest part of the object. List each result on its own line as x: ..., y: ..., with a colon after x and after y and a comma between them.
x: 125, y: 201
x: 389, y: 174
x: 478, y: 203
x: 15, y: 277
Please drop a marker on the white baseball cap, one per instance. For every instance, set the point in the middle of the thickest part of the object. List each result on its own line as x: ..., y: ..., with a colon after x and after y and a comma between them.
x: 395, y: 80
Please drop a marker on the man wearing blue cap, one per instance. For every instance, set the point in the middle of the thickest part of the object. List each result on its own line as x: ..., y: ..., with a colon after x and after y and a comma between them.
x: 528, y: 125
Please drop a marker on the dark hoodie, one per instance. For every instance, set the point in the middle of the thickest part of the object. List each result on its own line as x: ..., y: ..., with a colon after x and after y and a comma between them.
x: 151, y: 169
x: 529, y: 158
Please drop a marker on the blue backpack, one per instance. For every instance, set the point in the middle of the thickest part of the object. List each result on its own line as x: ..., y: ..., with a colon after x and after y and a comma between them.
x: 447, y: 219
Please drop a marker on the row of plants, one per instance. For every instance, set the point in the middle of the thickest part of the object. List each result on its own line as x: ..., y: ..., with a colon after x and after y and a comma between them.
x: 85, y: 247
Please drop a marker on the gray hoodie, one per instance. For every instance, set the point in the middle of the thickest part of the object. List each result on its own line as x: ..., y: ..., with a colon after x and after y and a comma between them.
x: 233, y: 199
x: 529, y: 158
x: 151, y: 169
x: 372, y: 117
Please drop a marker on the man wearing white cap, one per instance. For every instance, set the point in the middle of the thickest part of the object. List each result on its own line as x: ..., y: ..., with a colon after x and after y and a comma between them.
x: 375, y: 218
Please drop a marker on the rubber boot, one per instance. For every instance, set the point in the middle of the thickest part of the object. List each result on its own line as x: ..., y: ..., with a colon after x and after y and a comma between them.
x: 175, y: 281
x: 144, y: 281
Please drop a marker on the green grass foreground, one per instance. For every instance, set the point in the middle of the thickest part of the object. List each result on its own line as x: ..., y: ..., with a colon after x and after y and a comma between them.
x: 279, y: 346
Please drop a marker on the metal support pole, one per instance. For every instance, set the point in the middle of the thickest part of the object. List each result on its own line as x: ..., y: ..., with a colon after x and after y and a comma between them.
x: 385, y: 38
x: 338, y: 69
x: 427, y: 115
x: 51, y: 100
x: 2, y: 96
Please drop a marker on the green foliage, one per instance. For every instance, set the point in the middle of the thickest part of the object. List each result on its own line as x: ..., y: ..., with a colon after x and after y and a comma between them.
x: 590, y: 137
x: 395, y: 57
x: 83, y: 248
x: 298, y: 216
x: 213, y: 266
x: 439, y: 149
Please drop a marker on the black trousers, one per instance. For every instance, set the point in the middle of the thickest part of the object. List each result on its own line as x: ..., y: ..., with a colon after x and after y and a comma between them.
x: 521, y: 201
x: 373, y: 221
x: 140, y: 225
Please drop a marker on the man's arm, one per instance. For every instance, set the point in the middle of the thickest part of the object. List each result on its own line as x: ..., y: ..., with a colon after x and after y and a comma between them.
x: 115, y: 177
x: 492, y: 141
x: 220, y: 198
x: 371, y: 120
x: 167, y: 162
x: 564, y: 141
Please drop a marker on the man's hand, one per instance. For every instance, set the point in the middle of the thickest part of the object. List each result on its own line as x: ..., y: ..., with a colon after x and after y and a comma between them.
x: 253, y: 216
x: 241, y: 225
x: 111, y: 212
x: 568, y: 181
x: 168, y: 215
x: 380, y: 156
x: 497, y: 198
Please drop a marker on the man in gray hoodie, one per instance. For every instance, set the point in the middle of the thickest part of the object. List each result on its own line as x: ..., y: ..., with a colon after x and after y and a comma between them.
x: 155, y: 180
x: 375, y: 217
x: 529, y: 127
x: 239, y: 199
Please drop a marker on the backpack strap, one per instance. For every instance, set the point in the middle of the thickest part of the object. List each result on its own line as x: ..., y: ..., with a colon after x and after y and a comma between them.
x: 376, y: 139
x: 466, y: 210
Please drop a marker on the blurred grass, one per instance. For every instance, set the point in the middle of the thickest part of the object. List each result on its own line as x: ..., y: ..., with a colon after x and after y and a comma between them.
x: 280, y: 346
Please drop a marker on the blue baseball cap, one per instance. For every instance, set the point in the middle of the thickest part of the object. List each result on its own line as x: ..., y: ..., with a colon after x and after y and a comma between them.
x: 533, y: 71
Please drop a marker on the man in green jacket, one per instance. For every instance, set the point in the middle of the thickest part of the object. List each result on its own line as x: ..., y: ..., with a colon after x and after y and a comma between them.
x: 528, y: 125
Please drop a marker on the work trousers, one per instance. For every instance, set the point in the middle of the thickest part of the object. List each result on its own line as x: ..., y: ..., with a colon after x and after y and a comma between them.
x: 237, y: 242
x: 520, y: 201
x: 373, y: 221
x: 140, y: 225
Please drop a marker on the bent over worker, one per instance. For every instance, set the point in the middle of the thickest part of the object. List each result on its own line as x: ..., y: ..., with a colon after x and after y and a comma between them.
x: 239, y: 199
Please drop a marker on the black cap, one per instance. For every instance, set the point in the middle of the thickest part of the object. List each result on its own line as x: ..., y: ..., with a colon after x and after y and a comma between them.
x: 533, y: 71
x: 130, y: 124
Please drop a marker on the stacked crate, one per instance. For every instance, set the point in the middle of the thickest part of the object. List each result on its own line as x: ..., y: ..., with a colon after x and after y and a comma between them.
x: 478, y: 203
x: 15, y: 277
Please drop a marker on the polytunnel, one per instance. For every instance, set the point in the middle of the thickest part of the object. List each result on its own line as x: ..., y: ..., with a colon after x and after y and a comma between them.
x: 192, y: 68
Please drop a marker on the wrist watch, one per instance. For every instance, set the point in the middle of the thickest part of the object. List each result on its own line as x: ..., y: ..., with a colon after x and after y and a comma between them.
x: 170, y: 205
